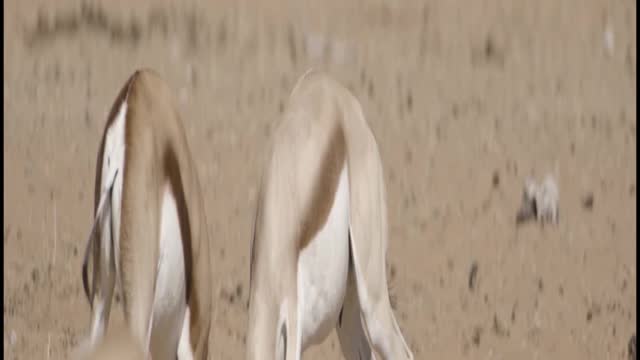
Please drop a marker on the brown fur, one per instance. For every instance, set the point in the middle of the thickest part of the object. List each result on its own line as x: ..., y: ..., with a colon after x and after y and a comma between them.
x: 156, y: 154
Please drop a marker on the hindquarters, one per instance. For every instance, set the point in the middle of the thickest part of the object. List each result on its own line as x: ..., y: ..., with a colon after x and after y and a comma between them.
x: 322, y: 270
x: 369, y: 233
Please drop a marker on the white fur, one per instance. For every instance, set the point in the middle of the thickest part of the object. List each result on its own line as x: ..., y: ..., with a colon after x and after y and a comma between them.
x: 185, y: 352
x: 283, y: 322
x: 114, y: 161
x: 170, y: 294
x: 322, y: 271
x: 112, y: 165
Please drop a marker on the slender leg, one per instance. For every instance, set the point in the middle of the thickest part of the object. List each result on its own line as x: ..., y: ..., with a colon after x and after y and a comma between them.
x: 352, y: 336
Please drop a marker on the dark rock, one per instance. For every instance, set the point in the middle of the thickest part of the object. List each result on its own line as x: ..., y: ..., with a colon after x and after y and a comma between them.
x: 476, y: 336
x: 473, y: 275
x: 587, y: 201
x: 35, y: 276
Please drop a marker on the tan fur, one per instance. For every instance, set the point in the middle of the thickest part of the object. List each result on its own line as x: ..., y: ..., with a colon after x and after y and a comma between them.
x: 157, y: 153
x: 322, y: 127
x: 324, y: 188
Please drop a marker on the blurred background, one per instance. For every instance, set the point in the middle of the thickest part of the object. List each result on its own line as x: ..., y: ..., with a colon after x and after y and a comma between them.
x: 465, y: 98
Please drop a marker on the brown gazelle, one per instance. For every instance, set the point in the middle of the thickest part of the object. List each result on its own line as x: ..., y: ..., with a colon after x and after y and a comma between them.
x: 149, y: 235
x: 320, y: 233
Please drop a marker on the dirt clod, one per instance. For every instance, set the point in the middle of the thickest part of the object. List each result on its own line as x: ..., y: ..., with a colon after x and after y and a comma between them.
x: 587, y: 201
x: 473, y: 275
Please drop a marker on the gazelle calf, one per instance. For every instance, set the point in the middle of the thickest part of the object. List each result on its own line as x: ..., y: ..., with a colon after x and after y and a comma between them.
x: 150, y: 232
x: 320, y: 233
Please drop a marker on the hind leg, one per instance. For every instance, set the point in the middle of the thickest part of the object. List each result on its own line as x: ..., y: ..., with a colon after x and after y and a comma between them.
x: 353, y: 339
x: 373, y: 298
x: 380, y: 322
x: 139, y: 251
x: 103, y: 280
x: 185, y: 351
x: 382, y: 327
x: 368, y: 234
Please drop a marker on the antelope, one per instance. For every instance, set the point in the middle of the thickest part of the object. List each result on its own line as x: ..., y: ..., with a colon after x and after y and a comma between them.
x: 317, y: 258
x: 149, y: 235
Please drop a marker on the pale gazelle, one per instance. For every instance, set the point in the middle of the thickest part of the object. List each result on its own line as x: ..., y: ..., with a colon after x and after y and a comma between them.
x: 320, y: 233
x: 150, y: 232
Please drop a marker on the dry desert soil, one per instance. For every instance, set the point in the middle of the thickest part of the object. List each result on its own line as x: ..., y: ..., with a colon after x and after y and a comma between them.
x: 466, y: 99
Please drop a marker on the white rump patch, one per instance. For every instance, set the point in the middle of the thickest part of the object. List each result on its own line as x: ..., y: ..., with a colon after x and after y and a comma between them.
x: 113, y: 161
x: 322, y: 271
x: 170, y: 294
x: 185, y: 352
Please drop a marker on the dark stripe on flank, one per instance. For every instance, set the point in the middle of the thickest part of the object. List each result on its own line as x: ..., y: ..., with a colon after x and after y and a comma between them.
x: 325, y: 186
x: 172, y: 172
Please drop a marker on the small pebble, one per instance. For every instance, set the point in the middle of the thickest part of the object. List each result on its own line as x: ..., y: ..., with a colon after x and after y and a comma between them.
x: 587, y: 202
x: 473, y: 274
x: 477, y: 334
x: 609, y: 42
x: 34, y: 275
x: 495, y: 179
x: 239, y: 290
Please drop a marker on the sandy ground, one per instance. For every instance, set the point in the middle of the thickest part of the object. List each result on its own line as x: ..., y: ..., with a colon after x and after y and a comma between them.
x: 466, y: 99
